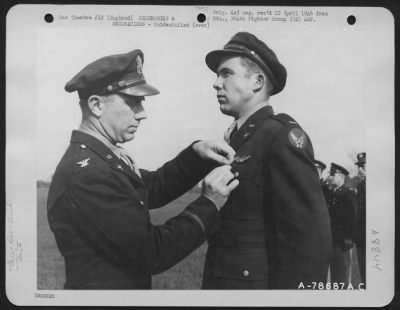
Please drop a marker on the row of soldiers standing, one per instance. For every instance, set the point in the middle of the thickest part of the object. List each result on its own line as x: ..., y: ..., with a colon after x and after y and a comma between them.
x: 348, y: 218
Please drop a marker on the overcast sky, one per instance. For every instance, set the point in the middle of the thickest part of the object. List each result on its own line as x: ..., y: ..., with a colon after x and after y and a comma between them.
x: 335, y: 71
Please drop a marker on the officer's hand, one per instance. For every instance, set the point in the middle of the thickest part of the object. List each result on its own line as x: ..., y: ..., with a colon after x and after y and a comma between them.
x: 218, y: 185
x: 217, y: 150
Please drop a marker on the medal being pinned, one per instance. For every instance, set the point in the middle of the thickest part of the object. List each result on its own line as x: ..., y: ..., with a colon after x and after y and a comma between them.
x: 241, y: 159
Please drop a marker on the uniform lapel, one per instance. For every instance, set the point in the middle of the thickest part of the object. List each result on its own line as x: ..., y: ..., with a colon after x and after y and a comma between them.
x: 105, y: 153
x: 121, y: 166
x: 250, y: 126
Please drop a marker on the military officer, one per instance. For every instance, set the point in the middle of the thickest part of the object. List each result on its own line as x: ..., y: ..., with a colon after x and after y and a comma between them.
x: 325, y: 184
x: 342, y: 210
x: 361, y: 214
x: 320, y: 167
x: 275, y: 226
x: 99, y: 201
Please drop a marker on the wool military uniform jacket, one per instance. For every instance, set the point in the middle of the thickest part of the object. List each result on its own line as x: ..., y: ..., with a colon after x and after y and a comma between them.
x: 343, y: 212
x: 326, y: 189
x: 361, y: 212
x: 98, y: 209
x: 274, y: 232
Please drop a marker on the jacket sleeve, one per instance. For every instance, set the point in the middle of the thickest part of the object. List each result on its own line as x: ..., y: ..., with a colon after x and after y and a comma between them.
x: 301, y: 247
x: 117, y: 224
x: 175, y: 177
x: 172, y: 243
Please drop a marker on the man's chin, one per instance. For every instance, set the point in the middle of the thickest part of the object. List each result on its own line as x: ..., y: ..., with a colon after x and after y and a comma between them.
x: 225, y: 110
x: 129, y: 137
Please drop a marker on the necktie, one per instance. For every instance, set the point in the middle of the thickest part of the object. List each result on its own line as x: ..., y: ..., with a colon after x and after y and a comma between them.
x: 229, y: 133
x: 235, y: 129
x: 128, y: 160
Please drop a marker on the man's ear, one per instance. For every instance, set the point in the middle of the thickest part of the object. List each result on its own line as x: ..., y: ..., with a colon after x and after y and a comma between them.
x: 96, y: 105
x: 258, y: 81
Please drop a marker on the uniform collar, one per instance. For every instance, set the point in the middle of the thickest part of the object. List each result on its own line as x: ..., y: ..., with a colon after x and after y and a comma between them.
x: 100, y: 148
x: 241, y: 120
x: 93, y: 143
x: 250, y: 126
x: 113, y: 147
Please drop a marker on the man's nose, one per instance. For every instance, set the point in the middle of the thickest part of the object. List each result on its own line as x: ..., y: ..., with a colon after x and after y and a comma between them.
x: 140, y: 113
x: 217, y: 84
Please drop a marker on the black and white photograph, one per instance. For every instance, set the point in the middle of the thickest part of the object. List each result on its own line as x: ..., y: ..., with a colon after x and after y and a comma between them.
x: 199, y: 155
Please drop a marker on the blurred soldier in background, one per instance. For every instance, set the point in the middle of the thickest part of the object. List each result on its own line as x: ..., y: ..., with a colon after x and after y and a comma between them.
x: 99, y: 201
x: 361, y: 214
x: 320, y: 166
x: 275, y: 227
x: 325, y: 183
x: 342, y: 209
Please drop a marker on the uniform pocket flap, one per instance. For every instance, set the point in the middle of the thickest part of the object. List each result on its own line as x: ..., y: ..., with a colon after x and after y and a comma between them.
x: 248, y: 172
x: 241, y: 263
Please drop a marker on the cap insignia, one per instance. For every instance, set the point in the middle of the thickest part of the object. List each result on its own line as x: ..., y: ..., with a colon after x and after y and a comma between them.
x: 139, y: 64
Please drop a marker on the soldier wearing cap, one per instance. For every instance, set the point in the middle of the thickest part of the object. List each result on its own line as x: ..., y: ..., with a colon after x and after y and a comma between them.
x: 275, y: 226
x: 320, y: 167
x: 360, y: 238
x: 342, y: 209
x: 99, y: 201
x: 325, y: 184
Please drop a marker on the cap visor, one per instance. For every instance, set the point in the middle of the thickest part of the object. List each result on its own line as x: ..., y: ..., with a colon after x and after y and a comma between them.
x: 140, y: 90
x: 213, y: 58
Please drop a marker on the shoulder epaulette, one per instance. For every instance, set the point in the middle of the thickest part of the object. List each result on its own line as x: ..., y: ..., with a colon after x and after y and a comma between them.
x: 285, y: 119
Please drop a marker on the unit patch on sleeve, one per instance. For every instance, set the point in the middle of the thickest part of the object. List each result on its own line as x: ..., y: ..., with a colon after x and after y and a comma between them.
x: 298, y: 138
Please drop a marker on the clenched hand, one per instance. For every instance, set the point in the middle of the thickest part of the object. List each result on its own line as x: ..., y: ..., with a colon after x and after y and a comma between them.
x: 217, y: 150
x: 218, y: 185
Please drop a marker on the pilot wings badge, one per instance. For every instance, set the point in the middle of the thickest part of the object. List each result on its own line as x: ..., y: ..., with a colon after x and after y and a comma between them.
x: 84, y: 162
x: 241, y: 159
x: 297, y: 138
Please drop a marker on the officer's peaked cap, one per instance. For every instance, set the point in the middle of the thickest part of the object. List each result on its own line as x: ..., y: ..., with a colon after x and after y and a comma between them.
x: 361, y: 159
x: 337, y: 168
x: 122, y: 73
x: 319, y: 164
x: 248, y: 45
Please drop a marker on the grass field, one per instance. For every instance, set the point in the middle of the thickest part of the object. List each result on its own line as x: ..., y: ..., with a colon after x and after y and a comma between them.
x: 185, y: 275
